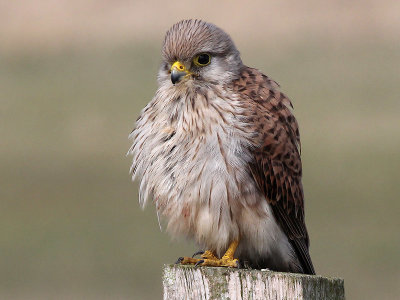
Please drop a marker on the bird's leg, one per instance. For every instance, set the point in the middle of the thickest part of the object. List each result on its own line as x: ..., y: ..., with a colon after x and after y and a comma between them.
x: 227, y: 259
x: 209, y: 259
x: 208, y: 254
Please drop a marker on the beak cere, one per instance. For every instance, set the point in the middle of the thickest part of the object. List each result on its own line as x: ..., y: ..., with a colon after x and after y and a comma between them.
x: 178, y: 71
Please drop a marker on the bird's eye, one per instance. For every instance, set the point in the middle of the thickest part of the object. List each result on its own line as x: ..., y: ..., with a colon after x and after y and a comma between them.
x: 202, y: 59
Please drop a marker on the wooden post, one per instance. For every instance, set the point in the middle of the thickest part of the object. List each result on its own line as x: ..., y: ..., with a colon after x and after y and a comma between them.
x: 205, y: 283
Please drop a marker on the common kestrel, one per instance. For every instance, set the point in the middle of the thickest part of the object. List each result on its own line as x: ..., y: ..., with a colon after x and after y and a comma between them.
x: 218, y: 151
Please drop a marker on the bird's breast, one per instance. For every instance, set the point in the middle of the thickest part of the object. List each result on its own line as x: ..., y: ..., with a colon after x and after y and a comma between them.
x: 195, y: 167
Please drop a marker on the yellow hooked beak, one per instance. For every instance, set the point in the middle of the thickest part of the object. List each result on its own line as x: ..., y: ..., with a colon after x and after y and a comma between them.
x: 178, y: 71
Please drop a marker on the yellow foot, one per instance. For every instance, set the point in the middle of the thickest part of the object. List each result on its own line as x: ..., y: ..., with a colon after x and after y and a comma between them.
x: 206, y: 255
x: 194, y: 261
x: 209, y: 259
x: 223, y: 262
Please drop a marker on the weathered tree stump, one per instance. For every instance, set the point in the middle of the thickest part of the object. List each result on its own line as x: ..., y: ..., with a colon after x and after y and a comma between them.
x: 187, y: 282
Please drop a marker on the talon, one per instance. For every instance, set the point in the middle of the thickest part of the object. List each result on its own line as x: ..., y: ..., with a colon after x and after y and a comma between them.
x: 198, y: 253
x: 238, y: 264
x: 187, y: 260
x: 208, y: 258
x: 199, y: 263
x: 180, y: 259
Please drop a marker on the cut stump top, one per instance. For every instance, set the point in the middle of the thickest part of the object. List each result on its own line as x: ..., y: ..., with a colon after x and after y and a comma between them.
x: 208, y: 283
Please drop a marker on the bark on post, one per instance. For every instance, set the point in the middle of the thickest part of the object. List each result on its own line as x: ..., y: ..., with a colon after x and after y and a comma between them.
x: 186, y: 282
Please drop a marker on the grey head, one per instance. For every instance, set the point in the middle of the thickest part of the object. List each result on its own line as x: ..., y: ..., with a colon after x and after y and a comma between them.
x: 196, y: 52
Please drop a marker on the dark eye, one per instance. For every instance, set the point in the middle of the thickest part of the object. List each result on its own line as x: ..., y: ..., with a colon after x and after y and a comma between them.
x: 202, y: 59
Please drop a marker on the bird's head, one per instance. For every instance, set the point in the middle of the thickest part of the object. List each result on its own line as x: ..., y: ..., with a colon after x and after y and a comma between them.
x: 198, y: 52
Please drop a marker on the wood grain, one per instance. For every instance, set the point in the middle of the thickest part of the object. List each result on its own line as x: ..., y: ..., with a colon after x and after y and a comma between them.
x: 186, y: 282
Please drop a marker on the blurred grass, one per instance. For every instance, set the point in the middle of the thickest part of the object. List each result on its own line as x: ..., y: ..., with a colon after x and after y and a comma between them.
x: 70, y: 224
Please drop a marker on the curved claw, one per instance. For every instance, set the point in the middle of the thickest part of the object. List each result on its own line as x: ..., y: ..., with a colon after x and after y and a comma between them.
x: 238, y: 264
x: 180, y: 259
x: 199, y: 263
x: 198, y: 253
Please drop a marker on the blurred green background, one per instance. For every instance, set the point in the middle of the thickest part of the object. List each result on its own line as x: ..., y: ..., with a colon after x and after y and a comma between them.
x: 73, y: 78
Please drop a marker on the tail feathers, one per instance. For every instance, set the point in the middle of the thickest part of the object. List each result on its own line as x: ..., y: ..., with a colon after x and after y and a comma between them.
x: 303, y: 255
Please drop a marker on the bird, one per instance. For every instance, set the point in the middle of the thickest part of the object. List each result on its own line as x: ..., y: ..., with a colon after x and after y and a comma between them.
x: 217, y: 150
